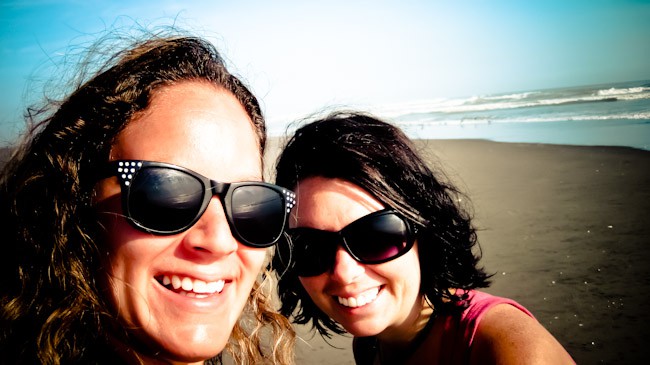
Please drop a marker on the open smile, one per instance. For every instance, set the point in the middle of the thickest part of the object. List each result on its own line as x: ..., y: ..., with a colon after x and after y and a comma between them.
x: 190, y: 287
x: 360, y: 300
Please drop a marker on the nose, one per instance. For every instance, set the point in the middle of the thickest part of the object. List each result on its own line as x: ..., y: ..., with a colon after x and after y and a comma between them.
x: 210, y: 235
x: 346, y: 269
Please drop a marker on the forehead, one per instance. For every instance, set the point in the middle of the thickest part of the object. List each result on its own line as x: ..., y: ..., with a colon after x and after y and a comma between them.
x: 195, y: 125
x: 331, y: 204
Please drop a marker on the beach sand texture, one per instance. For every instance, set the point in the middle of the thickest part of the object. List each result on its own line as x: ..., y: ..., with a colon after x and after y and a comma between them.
x: 565, y: 231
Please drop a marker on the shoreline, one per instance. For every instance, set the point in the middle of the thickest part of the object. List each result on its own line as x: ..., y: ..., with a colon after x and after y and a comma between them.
x: 612, y: 132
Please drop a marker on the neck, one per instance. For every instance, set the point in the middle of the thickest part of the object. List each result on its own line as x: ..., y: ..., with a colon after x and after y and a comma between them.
x: 399, y: 346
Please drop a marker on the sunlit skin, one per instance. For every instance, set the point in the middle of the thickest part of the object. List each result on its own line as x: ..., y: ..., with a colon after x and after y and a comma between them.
x: 331, y: 204
x: 506, y: 334
x: 205, y: 129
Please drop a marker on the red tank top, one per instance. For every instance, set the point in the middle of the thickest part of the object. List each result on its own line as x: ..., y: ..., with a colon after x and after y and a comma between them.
x: 460, y: 330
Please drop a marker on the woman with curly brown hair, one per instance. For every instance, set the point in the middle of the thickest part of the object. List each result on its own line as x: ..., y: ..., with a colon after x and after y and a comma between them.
x: 381, y: 248
x: 137, y: 221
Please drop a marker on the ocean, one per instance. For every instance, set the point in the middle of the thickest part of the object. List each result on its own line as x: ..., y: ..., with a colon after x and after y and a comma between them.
x: 616, y: 114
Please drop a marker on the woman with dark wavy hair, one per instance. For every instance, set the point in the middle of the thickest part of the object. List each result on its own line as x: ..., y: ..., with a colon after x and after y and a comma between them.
x: 136, y: 219
x: 380, y: 247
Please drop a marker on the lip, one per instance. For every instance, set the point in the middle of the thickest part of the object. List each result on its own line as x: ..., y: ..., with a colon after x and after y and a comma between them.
x: 201, y: 304
x: 357, y: 296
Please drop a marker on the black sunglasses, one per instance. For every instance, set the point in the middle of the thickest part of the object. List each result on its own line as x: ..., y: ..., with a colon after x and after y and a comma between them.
x: 166, y: 199
x: 372, y: 239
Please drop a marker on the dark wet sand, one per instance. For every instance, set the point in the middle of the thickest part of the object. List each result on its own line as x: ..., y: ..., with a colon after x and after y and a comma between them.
x: 565, y: 229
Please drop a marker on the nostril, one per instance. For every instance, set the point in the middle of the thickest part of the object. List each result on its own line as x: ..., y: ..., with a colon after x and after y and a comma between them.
x: 211, y: 233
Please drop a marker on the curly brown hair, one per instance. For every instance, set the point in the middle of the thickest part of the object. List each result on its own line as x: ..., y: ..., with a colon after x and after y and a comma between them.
x: 53, y: 308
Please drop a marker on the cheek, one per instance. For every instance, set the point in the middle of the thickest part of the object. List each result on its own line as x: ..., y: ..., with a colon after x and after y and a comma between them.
x: 403, y: 273
x: 411, y: 265
x: 252, y: 259
x: 129, y: 259
x: 126, y: 247
x: 409, y: 272
x: 121, y: 280
x: 129, y: 254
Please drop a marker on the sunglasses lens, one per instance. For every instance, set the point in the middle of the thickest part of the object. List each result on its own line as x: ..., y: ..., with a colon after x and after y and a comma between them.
x: 315, y: 250
x: 378, y: 238
x: 164, y: 200
x: 258, y: 214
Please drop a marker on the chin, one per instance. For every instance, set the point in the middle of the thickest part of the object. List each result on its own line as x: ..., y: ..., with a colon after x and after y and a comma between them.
x: 183, y: 349
x: 187, y: 355
x: 361, y: 332
x: 363, y: 329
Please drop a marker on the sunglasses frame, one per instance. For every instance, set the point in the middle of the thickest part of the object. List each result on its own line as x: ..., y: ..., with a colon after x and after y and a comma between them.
x: 410, y: 236
x: 127, y: 170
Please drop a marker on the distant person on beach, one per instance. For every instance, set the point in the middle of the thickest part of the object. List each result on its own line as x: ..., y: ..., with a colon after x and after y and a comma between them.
x: 379, y: 246
x: 136, y: 220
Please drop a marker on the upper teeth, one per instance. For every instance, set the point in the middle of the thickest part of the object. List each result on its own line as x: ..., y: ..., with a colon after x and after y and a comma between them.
x: 193, y: 285
x: 362, y: 299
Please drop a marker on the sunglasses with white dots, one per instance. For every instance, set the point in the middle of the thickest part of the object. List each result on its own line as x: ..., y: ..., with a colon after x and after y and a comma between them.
x: 166, y: 199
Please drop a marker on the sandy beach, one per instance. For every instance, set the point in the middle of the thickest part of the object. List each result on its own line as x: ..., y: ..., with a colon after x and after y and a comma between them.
x: 565, y: 231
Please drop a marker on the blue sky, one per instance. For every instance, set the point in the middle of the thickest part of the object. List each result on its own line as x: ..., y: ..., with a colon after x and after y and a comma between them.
x: 300, y: 56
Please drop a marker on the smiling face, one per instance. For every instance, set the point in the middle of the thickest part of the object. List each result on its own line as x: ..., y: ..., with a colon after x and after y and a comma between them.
x: 182, y: 294
x: 367, y: 300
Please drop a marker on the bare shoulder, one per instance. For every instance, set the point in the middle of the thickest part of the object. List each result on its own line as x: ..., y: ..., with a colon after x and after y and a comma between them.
x: 507, y: 335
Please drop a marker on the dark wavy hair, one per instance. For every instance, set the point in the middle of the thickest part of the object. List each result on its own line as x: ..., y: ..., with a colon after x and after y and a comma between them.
x: 382, y: 160
x: 53, y: 308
